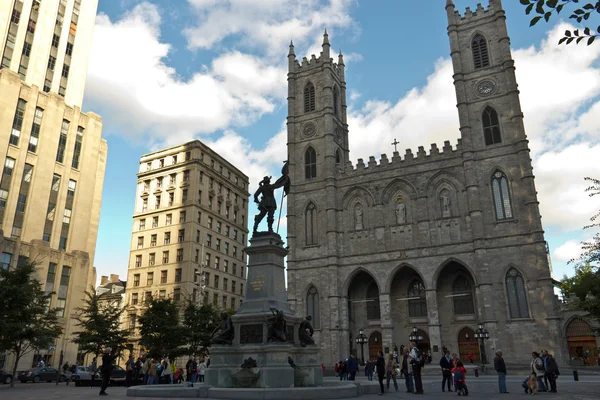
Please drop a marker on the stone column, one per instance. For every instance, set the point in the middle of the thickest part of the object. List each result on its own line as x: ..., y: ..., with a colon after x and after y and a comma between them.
x: 433, y: 319
x: 386, y: 321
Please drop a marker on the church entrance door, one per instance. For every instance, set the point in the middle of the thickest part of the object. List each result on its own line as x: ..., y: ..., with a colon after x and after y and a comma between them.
x: 467, y: 344
x: 375, y: 345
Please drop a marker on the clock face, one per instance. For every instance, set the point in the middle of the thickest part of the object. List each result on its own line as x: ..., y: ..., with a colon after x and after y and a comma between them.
x: 485, y: 87
x: 309, y: 129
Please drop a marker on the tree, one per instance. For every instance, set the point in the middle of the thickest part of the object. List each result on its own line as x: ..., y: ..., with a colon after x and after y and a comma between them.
x: 26, y: 321
x: 199, y: 323
x: 160, y: 329
x: 99, y: 321
x: 545, y: 9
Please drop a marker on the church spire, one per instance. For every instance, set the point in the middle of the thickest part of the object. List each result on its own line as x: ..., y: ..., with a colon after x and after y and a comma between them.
x: 326, y: 46
x: 291, y: 53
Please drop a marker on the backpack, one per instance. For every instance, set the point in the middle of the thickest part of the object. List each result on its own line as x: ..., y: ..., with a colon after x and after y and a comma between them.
x: 419, y: 361
x: 73, y: 368
x: 458, y: 376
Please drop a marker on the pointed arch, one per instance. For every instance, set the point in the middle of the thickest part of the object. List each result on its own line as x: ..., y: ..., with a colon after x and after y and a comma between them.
x: 516, y: 294
x: 310, y: 163
x: 444, y: 264
x: 353, y: 274
x: 501, y: 195
x: 357, y: 192
x: 310, y: 224
x: 491, y: 126
x: 313, y: 307
x: 398, y: 269
x: 481, y: 56
x: 309, y: 97
x: 336, y: 95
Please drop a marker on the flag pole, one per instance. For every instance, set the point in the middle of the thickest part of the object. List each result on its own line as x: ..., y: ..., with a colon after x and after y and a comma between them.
x: 281, y: 208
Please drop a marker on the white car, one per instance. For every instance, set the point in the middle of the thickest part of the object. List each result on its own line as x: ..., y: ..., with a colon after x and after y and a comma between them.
x: 83, y: 373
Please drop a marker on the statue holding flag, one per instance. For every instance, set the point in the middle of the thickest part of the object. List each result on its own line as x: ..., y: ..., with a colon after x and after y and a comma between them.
x: 267, y: 204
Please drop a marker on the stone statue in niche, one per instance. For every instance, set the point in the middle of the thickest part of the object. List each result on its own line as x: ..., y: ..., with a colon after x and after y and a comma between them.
x: 445, y: 204
x: 227, y: 333
x: 305, y: 332
x: 358, y: 218
x: 400, y: 213
x: 277, y: 327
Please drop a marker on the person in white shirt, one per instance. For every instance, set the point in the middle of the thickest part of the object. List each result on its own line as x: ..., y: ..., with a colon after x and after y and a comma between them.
x: 202, y: 370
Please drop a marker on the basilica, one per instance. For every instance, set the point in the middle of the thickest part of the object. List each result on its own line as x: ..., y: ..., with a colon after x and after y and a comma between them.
x: 437, y: 242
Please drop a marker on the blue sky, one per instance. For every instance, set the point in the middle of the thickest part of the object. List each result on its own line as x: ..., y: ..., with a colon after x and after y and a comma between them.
x: 163, y: 72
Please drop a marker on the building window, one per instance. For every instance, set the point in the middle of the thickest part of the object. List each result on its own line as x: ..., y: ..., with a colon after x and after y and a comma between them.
x: 15, y: 17
x: 26, y: 49
x: 481, y: 56
x: 491, y: 126
x: 208, y: 240
x: 184, y: 196
x: 55, y: 41
x: 5, y: 261
x: 51, y: 63
x: 197, y: 255
x: 197, y: 236
x: 186, y: 176
x: 178, y: 275
x: 225, y: 283
x: 35, y: 129
x: 233, y: 288
x: 417, y: 305
x: 167, y: 237
x: 210, y: 223
x: 226, y: 266
x: 62, y: 141
x: 171, y: 199
x: 169, y: 219
x: 16, y: 231
x: 310, y: 217
x: 216, y: 282
x: 152, y: 259
x: 65, y: 70
x: 21, y: 202
x: 77, y: 149
x: 50, y: 277
x: 15, y: 134
x: 145, y: 205
x: 3, y: 198
x: 134, y: 296
x: 55, y: 182
x: 63, y: 290
x: 218, y: 244
x: 179, y: 255
x: 309, y: 97
x: 217, y: 262
x: 62, y: 243
x: 242, y: 272
x: 69, y: 50
x: 310, y: 163
x: 163, y: 276
x: 162, y: 294
x: 219, y: 226
x: 154, y: 222
x: 27, y: 173
x: 165, y: 258
x: 226, y: 248
x: 177, y: 294
x: 71, y: 189
x: 182, y: 217
x: 142, y: 224
x: 180, y: 235
x: 188, y: 156
x: 138, y: 260
x: 336, y: 95
x: 67, y: 216
x: 241, y: 289
x: 140, y: 244
x: 157, y: 204
x: 517, y: 294
x: 501, y: 196
x: 234, y: 269
x: 234, y: 253
x: 312, y: 307
x: 150, y: 279
x: 462, y: 293
x: 159, y: 182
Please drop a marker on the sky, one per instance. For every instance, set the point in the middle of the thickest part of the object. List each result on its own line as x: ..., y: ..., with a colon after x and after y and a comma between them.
x: 163, y: 72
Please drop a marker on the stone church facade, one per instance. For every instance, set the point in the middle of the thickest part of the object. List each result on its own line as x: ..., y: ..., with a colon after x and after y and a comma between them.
x: 440, y: 240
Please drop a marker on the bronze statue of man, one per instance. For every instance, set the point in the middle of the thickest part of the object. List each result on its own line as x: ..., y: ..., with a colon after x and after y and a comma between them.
x: 227, y: 333
x: 267, y: 204
x: 305, y: 332
x: 277, y: 327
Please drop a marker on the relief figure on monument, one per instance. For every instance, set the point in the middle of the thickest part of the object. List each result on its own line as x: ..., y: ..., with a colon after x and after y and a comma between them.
x: 445, y: 204
x: 306, y: 331
x: 358, y: 217
x: 400, y: 213
x: 277, y: 327
x: 226, y: 331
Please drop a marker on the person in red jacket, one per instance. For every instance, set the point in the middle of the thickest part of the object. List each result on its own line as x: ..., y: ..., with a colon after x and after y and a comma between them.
x: 460, y: 382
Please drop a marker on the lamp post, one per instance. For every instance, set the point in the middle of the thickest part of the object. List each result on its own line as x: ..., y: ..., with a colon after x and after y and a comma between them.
x: 481, y: 334
x: 414, y: 336
x: 362, y: 340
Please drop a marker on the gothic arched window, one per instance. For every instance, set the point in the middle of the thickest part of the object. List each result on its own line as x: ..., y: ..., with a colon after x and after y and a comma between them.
x: 311, y: 225
x: 338, y: 156
x: 309, y: 97
x: 481, y: 57
x: 373, y: 302
x: 516, y: 293
x: 462, y: 296
x: 417, y: 306
x: 336, y: 95
x: 491, y: 126
x: 310, y: 163
x: 501, y: 196
x: 312, y: 307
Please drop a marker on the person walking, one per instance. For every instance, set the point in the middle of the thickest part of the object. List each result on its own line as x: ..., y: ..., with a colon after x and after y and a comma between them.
x: 202, y: 370
x: 380, y: 364
x: 146, y: 369
x: 405, y: 370
x: 167, y: 372
x: 390, y: 369
x: 105, y: 369
x: 152, y: 372
x: 194, y: 371
x: 129, y: 368
x: 343, y: 371
x: 446, y: 365
x: 500, y: 368
x: 93, y: 370
x: 551, y: 370
x: 416, y: 361
x: 352, y: 366
x: 537, y: 368
x: 369, y: 370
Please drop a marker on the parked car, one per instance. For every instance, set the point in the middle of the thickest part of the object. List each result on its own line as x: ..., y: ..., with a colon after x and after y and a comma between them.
x: 36, y: 375
x: 82, y: 373
x: 5, y: 377
x: 117, y: 373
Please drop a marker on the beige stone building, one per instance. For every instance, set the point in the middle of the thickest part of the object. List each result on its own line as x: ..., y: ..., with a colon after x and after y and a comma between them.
x: 189, y: 229
x: 53, y: 154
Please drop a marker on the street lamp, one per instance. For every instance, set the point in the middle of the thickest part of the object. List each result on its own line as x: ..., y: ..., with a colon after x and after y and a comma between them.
x: 481, y: 334
x: 414, y: 336
x: 362, y: 340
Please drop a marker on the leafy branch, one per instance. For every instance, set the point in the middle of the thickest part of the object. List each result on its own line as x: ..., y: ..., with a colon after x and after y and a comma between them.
x: 545, y: 9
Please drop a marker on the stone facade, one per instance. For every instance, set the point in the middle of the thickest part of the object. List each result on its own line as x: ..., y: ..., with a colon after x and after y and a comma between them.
x: 442, y: 240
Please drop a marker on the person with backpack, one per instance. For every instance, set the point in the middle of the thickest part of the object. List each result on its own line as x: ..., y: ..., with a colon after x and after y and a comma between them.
x: 537, y: 368
x: 417, y: 362
x: 460, y: 382
x: 406, y: 371
x: 380, y: 364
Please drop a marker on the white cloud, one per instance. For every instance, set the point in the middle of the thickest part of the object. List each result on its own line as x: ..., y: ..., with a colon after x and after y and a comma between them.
x: 567, y: 251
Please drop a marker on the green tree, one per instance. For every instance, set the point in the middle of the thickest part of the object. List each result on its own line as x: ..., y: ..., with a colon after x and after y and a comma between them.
x: 160, y: 329
x: 545, y: 9
x: 99, y: 324
x: 26, y: 321
x: 199, y: 323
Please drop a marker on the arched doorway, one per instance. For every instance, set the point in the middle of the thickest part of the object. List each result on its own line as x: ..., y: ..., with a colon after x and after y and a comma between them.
x: 375, y: 345
x: 424, y: 345
x: 581, y: 341
x: 467, y: 344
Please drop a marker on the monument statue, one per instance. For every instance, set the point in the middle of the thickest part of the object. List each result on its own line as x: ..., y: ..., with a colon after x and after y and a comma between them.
x: 277, y: 327
x: 400, y: 213
x: 305, y: 332
x: 358, y: 218
x: 267, y: 204
x: 227, y: 333
x: 445, y: 199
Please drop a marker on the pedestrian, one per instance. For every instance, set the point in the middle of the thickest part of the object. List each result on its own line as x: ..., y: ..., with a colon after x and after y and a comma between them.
x: 446, y: 365
x: 152, y: 372
x: 391, y: 372
x: 167, y: 372
x: 146, y: 369
x: 537, y: 368
x: 352, y: 366
x: 369, y: 370
x: 105, y: 369
x: 551, y: 369
x: 471, y: 357
x: 405, y: 370
x: 500, y: 368
x: 380, y: 370
x: 416, y: 361
x: 138, y: 369
x: 343, y: 371
x: 129, y: 369
x: 336, y: 369
x: 93, y: 370
x: 202, y: 370
x: 460, y: 381
x: 70, y: 372
x: 194, y: 371
x: 323, y: 369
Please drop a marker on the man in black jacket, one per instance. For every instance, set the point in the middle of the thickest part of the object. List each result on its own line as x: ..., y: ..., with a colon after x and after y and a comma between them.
x: 380, y: 370
x: 551, y: 369
x: 105, y: 369
x: 446, y: 364
x: 500, y: 368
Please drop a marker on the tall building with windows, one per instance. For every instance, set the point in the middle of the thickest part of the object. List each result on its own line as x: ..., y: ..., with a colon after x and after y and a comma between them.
x: 189, y: 230
x: 438, y: 241
x: 53, y: 154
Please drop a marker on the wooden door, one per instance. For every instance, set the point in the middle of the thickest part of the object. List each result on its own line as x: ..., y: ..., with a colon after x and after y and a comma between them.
x: 375, y: 345
x: 467, y: 344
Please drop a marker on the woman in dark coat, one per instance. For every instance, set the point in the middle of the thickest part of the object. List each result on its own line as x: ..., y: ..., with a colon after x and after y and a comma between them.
x: 380, y: 370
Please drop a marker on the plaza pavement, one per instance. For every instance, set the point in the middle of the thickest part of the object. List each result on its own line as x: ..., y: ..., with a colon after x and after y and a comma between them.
x: 484, y: 387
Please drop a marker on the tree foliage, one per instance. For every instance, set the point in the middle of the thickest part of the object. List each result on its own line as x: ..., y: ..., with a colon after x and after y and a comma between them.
x: 545, y: 9
x: 99, y: 323
x: 26, y: 321
x: 161, y: 332
x: 199, y: 322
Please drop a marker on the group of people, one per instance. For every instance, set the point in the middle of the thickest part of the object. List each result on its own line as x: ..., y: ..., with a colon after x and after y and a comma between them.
x: 347, y: 369
x: 543, y: 373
